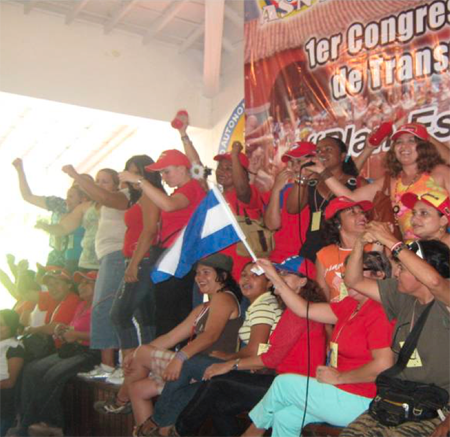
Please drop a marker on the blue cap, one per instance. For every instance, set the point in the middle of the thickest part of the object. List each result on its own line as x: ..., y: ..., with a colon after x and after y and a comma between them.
x: 294, y: 264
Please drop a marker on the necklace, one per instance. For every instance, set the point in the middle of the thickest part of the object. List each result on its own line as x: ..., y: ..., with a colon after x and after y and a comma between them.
x: 397, y: 192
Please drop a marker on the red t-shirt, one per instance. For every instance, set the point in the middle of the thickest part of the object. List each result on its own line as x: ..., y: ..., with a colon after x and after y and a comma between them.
x: 173, y: 222
x: 255, y: 210
x: 48, y: 304
x: 134, y: 223
x: 288, y: 352
x: 357, y: 334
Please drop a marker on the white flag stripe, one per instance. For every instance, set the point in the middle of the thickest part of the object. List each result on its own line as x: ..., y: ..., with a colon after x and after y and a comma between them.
x: 215, y: 221
x: 229, y: 214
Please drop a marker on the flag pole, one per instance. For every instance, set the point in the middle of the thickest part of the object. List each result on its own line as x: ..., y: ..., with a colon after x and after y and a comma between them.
x: 234, y: 222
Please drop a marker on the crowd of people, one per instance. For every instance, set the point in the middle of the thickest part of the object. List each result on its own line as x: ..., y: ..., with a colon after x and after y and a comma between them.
x: 296, y: 338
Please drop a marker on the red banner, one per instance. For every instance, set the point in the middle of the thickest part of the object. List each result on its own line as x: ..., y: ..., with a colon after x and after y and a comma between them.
x: 341, y: 68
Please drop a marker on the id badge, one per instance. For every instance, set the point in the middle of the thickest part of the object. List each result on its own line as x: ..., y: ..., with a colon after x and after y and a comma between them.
x: 315, y: 220
x: 333, y: 354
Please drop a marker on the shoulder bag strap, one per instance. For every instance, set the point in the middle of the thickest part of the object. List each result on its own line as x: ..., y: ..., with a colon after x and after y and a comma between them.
x: 410, y: 344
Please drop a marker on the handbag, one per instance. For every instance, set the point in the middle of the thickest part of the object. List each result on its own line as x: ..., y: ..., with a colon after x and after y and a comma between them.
x: 398, y: 401
x: 37, y: 346
x: 259, y: 238
x: 382, y: 210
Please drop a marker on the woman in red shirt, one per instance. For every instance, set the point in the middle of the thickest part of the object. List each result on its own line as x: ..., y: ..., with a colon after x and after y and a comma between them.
x: 359, y: 351
x: 173, y: 297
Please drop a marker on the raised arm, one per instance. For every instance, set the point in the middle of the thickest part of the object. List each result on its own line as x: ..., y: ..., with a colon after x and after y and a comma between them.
x: 419, y: 268
x: 354, y: 277
x: 111, y: 199
x: 272, y: 214
x: 68, y: 224
x: 162, y: 200
x: 319, y: 312
x: 188, y: 146
x: 366, y: 192
x: 442, y: 148
x: 25, y: 189
x: 239, y: 175
x: 366, y: 153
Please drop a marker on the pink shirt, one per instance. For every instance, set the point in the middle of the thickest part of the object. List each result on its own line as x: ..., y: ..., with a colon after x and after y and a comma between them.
x: 82, y: 319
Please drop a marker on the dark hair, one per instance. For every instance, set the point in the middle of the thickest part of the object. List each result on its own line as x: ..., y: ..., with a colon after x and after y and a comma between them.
x: 427, y: 158
x: 114, y: 175
x: 377, y: 262
x: 312, y: 292
x: 434, y: 252
x: 142, y: 161
x: 11, y: 319
x: 330, y: 229
x: 348, y: 166
x: 228, y: 282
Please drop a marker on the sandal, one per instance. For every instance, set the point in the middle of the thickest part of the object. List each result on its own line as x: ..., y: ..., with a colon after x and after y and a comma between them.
x: 148, y: 428
x: 113, y: 406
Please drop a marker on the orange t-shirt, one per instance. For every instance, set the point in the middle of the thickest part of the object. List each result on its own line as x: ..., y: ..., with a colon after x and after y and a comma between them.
x: 332, y: 259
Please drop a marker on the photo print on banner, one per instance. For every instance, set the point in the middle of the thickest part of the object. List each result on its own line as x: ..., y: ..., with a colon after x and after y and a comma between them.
x: 341, y: 68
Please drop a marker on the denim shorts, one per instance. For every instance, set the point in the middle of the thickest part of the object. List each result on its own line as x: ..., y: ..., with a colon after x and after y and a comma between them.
x: 110, y: 275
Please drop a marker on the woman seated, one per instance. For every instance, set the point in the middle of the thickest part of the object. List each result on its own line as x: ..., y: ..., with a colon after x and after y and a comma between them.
x: 223, y: 397
x: 421, y: 276
x: 430, y: 215
x: 59, y: 302
x: 41, y: 409
x: 11, y: 363
x: 345, y: 221
x: 215, y: 325
x: 359, y: 351
x: 260, y: 320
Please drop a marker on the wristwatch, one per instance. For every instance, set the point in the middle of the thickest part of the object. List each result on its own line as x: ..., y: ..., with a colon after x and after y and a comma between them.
x: 236, y: 364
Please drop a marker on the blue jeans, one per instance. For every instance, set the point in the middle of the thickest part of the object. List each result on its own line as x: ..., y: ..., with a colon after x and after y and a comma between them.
x: 43, y: 383
x: 283, y: 405
x: 110, y: 275
x: 177, y: 394
x: 135, y: 300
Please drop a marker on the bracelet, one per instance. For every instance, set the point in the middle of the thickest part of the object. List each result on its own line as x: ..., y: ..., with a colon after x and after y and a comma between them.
x: 398, y: 248
x: 182, y: 356
x: 301, y: 180
x: 326, y: 174
x: 185, y: 138
x: 236, y: 364
x: 395, y: 245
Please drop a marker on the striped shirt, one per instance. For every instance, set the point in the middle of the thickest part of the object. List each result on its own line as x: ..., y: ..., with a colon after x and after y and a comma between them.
x: 265, y: 310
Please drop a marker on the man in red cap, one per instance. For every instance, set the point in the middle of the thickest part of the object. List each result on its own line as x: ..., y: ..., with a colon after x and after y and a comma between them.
x: 232, y: 174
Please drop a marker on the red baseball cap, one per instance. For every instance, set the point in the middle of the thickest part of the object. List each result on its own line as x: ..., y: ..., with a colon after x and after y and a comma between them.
x: 56, y: 272
x: 302, y: 148
x: 342, y: 202
x: 437, y: 200
x: 242, y: 159
x: 168, y: 158
x: 79, y: 276
x: 416, y: 129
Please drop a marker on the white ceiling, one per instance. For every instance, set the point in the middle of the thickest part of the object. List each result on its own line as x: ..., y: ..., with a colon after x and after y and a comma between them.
x: 190, y: 25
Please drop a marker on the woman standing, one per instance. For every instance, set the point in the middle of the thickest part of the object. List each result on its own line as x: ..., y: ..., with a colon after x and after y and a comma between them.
x: 173, y: 297
x: 413, y: 166
x: 312, y: 191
